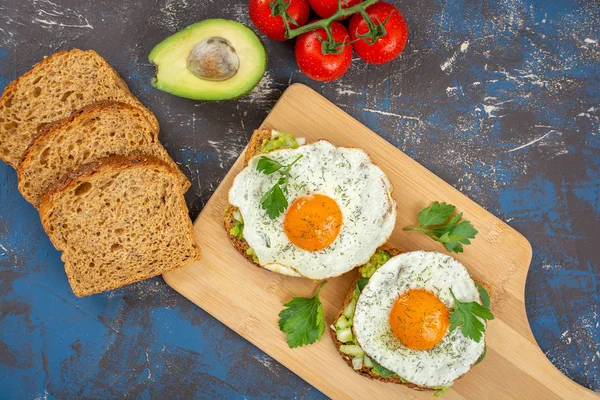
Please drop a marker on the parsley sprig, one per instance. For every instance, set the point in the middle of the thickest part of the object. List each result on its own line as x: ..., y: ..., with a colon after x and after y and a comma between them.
x: 465, y: 315
x: 274, y: 201
x: 303, y: 320
x: 439, y: 223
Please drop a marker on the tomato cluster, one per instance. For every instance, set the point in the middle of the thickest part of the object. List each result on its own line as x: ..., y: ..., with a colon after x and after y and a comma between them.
x: 325, y: 53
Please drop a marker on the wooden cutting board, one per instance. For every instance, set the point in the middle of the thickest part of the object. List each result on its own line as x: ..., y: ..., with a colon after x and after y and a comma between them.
x: 248, y: 299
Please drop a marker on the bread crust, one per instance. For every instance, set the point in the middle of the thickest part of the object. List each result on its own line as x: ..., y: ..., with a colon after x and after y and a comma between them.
x: 113, y: 164
x: 364, y: 371
x: 91, y: 109
x: 12, y: 86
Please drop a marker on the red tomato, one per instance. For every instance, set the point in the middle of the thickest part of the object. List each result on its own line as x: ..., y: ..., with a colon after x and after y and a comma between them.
x: 319, y: 66
x: 326, y: 8
x: 271, y: 26
x: 385, y: 48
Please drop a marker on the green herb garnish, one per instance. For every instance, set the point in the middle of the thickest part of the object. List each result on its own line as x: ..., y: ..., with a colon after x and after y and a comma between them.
x: 465, y: 315
x: 485, y: 296
x: 362, y: 282
x: 303, y: 320
x: 482, y: 357
x: 274, y: 201
x: 382, y: 371
x: 440, y: 224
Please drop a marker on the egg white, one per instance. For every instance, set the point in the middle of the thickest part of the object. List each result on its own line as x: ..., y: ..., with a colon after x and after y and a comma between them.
x: 347, y: 175
x: 438, y: 273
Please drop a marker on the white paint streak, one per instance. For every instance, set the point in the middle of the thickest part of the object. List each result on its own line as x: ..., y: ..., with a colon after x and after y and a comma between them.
x: 391, y: 114
x: 491, y: 108
x: 44, y: 396
x: 226, y: 152
x: 240, y: 13
x: 171, y: 13
x: 51, y: 14
x: 566, y: 337
x: 266, y: 361
x: 449, y: 63
x: 532, y: 142
x: 587, y: 114
x: 49, y: 22
x: 346, y: 92
x: 148, y: 364
x: 4, y: 250
x: 265, y: 92
x: 549, y: 267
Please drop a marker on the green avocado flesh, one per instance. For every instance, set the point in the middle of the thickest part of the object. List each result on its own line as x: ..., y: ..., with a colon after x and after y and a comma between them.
x: 281, y: 141
x: 171, y: 56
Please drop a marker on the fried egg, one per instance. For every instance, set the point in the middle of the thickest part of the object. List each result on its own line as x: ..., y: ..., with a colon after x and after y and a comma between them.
x: 340, y: 210
x: 402, y: 318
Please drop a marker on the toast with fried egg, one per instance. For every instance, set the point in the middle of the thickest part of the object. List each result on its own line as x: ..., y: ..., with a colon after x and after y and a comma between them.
x: 313, y: 210
x: 368, y: 367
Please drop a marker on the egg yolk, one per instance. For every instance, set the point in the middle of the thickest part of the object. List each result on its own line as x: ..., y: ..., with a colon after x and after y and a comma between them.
x: 419, y: 319
x: 313, y: 222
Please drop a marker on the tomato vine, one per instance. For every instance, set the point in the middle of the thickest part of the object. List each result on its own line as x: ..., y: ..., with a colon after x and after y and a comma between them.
x: 329, y: 45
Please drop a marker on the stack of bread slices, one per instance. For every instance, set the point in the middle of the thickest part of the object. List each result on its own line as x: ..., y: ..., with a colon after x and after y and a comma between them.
x: 88, y: 158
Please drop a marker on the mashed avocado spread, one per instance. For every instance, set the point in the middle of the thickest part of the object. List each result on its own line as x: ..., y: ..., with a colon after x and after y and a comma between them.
x: 278, y: 141
x: 376, y: 261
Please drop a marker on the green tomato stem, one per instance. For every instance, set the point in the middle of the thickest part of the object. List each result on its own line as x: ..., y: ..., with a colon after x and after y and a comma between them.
x: 324, y: 23
x: 370, y: 24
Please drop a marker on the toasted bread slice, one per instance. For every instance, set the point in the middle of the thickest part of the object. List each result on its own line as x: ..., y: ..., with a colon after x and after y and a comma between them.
x: 54, y: 88
x: 365, y: 371
x: 253, y: 149
x: 256, y: 141
x: 90, y: 134
x: 118, y: 221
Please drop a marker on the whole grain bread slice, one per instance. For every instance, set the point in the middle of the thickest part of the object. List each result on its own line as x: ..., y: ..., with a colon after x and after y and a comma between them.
x: 118, y: 221
x: 90, y: 134
x: 54, y: 88
x: 365, y: 371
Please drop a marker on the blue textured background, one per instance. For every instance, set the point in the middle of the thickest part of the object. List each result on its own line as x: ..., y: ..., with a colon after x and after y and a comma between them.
x: 501, y: 98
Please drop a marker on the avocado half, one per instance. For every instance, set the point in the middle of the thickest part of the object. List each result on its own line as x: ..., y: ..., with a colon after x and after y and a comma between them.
x: 174, y: 76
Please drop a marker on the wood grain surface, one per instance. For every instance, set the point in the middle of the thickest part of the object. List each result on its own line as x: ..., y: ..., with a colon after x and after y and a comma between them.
x: 249, y: 299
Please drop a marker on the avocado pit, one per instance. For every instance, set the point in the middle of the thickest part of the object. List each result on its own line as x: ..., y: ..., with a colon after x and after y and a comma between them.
x: 213, y: 59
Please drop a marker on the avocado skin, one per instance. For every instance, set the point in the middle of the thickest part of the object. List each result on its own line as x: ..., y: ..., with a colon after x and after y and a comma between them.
x: 219, y: 90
